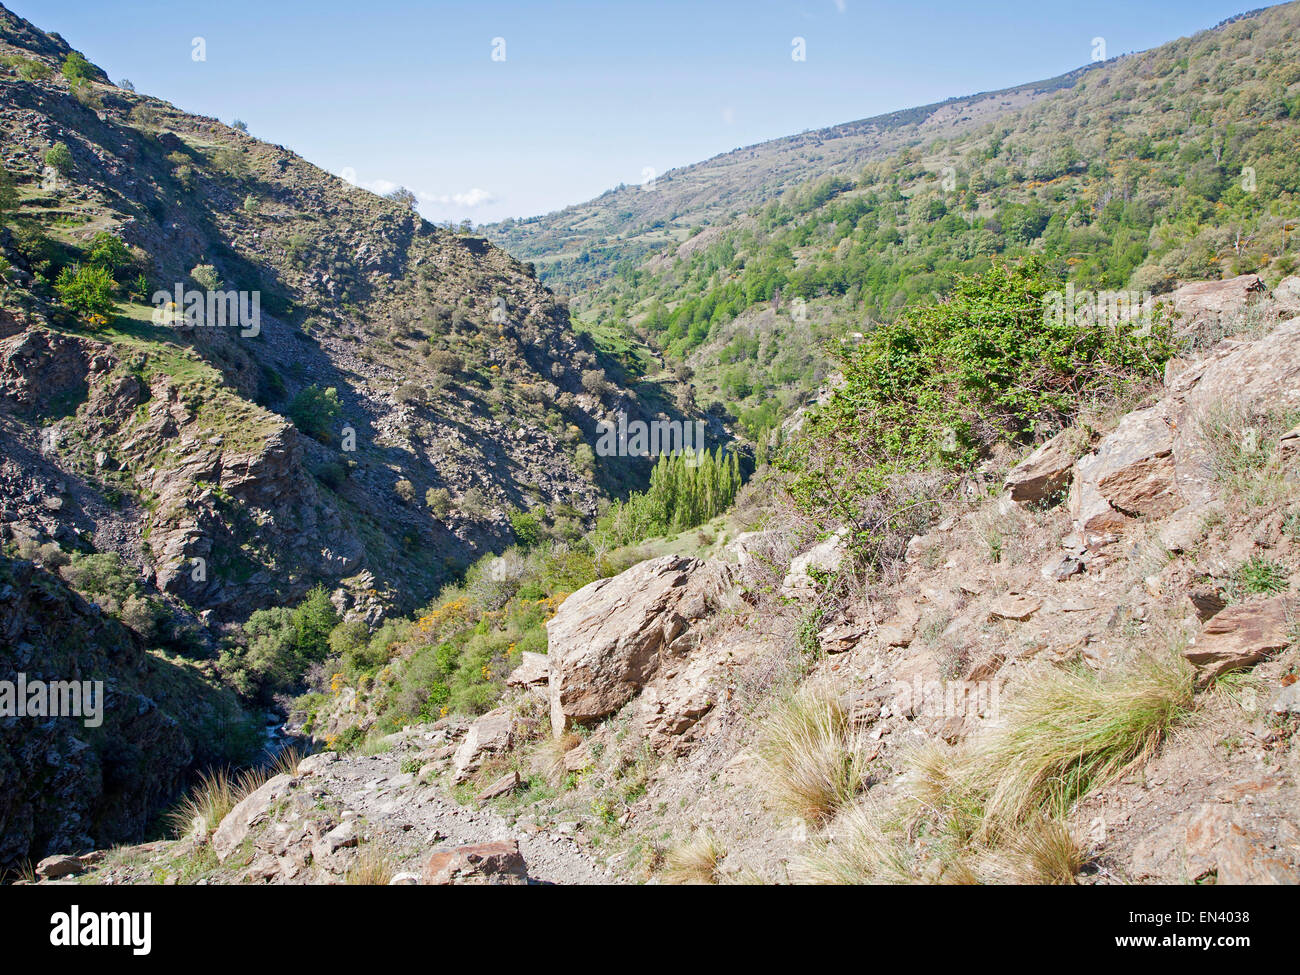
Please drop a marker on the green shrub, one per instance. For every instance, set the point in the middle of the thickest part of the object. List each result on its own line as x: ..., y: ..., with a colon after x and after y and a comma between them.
x: 527, y: 527
x: 940, y: 386
x: 59, y: 156
x: 30, y: 70
x: 280, y: 645
x: 206, y: 276
x: 314, y: 409
x: 87, y: 290
x: 77, y: 69
x: 439, y: 501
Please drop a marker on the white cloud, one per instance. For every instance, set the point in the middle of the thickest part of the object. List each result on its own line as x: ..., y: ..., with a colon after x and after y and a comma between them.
x: 468, y: 199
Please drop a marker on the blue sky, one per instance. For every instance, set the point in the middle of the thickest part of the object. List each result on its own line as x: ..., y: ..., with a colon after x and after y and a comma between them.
x: 590, y: 94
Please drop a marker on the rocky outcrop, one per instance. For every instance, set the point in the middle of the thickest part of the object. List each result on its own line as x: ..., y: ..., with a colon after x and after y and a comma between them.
x: 1206, y: 302
x: 1242, y: 635
x: 809, y: 570
x: 489, y: 735
x: 477, y: 864
x: 250, y: 810
x: 609, y: 638
x: 1213, y: 843
x: 72, y: 783
x: 1043, y: 473
x: 1156, y: 461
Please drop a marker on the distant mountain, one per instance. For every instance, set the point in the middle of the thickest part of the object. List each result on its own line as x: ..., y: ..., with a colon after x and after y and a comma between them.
x: 581, y: 244
x: 1170, y: 165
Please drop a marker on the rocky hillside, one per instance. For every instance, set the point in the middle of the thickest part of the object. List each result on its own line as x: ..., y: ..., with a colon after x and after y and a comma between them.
x: 231, y: 384
x: 391, y: 360
x: 1081, y: 668
x: 76, y: 784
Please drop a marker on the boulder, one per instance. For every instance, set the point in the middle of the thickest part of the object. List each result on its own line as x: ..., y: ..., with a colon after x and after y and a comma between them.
x: 249, y: 811
x: 1290, y: 440
x: 477, y: 864
x: 1156, y: 463
x: 490, y: 734
x: 1042, y: 473
x: 1131, y: 474
x: 1018, y: 608
x: 1210, y: 844
x: 314, y: 763
x: 609, y: 638
x: 1287, y: 295
x: 534, y: 669
x: 1209, y: 302
x: 1242, y: 635
x: 822, y: 559
x: 503, y: 786
x: 59, y: 865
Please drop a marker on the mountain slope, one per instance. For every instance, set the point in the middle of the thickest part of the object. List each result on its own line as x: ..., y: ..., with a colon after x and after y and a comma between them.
x: 1174, y: 164
x: 453, y: 370
x: 580, y: 245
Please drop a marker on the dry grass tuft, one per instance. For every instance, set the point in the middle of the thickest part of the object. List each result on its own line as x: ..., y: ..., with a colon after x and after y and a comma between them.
x: 694, y: 862
x: 218, y: 791
x: 371, y: 868
x: 995, y: 812
x: 811, y: 755
x: 1242, y: 451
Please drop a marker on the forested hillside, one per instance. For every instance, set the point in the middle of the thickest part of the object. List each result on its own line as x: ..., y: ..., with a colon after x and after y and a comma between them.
x: 1175, y: 164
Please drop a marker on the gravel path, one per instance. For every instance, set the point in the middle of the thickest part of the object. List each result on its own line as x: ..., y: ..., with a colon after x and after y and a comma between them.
x: 414, y: 817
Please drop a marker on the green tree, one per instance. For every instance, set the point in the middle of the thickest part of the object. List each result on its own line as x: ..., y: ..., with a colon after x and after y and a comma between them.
x: 314, y: 409
x: 87, y: 290
x: 59, y: 156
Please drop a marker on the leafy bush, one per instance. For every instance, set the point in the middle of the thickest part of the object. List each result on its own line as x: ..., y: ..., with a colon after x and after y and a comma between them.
x: 527, y: 527
x: 281, y: 644
x: 87, y: 290
x: 314, y: 409
x: 206, y: 276
x: 29, y: 69
x: 77, y: 69
x: 110, y: 253
x: 938, y: 387
x: 59, y: 156
x: 439, y: 501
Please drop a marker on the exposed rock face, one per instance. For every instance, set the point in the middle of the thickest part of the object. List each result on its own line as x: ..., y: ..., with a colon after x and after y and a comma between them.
x: 822, y: 559
x: 1212, y: 301
x: 1155, y: 462
x: 491, y: 733
x: 247, y: 813
x: 609, y: 638
x: 1042, y: 473
x: 534, y: 669
x: 66, y: 786
x: 232, y: 507
x: 477, y: 864
x: 1211, y: 844
x: 1241, y: 635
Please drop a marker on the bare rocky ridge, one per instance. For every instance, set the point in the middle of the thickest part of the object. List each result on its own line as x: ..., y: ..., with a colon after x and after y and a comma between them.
x: 358, y: 295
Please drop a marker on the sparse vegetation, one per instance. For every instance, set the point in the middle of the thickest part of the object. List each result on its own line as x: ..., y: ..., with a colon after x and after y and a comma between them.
x: 813, y: 759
